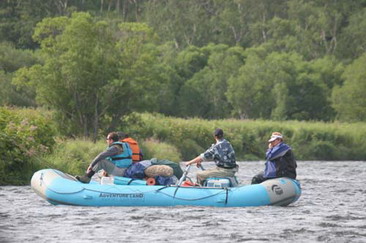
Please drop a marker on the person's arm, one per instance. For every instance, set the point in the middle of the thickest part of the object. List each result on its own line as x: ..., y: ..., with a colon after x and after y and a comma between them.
x: 208, y: 154
x: 198, y: 160
x: 113, y: 150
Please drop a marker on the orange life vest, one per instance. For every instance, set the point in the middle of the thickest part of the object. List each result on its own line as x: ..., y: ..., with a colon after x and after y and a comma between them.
x: 136, y: 152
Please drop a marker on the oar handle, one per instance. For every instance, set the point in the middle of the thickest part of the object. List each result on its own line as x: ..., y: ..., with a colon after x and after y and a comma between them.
x: 184, y: 176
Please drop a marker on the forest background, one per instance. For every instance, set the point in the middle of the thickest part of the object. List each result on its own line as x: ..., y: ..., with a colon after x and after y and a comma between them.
x: 168, y: 72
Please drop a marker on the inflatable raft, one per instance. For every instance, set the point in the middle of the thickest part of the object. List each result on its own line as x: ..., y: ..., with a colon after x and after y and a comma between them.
x: 60, y: 188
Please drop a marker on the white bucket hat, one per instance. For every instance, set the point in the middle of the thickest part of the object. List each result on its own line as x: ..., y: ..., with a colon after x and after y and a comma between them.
x: 274, y: 136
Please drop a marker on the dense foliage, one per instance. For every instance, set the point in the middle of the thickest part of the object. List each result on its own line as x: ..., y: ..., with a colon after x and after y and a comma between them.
x: 90, y: 74
x: 278, y: 60
x: 25, y: 136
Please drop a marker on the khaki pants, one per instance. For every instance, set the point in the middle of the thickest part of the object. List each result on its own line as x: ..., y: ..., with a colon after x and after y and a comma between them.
x: 109, y: 167
x: 215, y: 172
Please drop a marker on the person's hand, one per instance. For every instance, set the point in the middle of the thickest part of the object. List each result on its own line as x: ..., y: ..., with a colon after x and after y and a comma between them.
x: 89, y: 169
x: 190, y: 162
x: 196, y: 160
x: 199, y: 164
x: 270, y: 145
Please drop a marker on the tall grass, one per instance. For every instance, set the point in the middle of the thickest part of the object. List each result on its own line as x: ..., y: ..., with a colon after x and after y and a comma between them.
x: 160, y: 150
x: 309, y: 140
x: 73, y: 156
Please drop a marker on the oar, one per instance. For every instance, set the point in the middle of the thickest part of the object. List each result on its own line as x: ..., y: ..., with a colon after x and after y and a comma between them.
x: 184, y: 176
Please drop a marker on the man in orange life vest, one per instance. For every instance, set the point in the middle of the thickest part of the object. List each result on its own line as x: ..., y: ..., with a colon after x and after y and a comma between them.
x: 136, y: 151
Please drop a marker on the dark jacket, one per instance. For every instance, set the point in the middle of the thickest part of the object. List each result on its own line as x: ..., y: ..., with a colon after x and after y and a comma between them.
x: 286, y: 165
x: 280, y: 162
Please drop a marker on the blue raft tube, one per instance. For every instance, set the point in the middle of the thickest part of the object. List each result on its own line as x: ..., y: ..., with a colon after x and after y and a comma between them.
x: 60, y: 188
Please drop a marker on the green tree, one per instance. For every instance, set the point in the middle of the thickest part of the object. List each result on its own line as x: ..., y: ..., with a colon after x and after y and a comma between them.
x: 301, y: 91
x: 249, y: 91
x: 142, y: 79
x: 327, y: 73
x: 187, y: 63
x: 19, y: 18
x: 12, y: 59
x: 349, y: 99
x: 204, y: 94
x: 168, y: 93
x: 353, y: 40
x: 93, y: 74
x: 184, y: 22
x: 280, y: 86
x: 318, y: 25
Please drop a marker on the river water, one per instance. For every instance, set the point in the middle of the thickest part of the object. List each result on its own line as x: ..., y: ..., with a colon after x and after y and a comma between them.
x: 332, y: 208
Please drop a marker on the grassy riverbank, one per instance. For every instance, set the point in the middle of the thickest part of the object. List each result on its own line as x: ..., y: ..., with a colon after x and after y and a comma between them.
x: 29, y: 140
x: 310, y: 140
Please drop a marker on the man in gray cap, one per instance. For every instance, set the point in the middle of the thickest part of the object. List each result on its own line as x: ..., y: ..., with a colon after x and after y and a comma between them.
x: 222, y: 153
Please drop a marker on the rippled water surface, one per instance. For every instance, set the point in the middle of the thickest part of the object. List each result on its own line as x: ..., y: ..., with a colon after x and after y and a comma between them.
x: 332, y: 208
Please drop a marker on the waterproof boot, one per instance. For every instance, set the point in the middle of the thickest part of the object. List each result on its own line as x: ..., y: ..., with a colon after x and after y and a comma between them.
x: 85, y: 178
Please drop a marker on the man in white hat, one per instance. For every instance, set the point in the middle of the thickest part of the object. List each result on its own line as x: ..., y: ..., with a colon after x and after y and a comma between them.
x: 280, y: 161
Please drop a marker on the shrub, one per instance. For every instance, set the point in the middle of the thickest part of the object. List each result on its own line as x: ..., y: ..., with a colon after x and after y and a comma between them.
x: 189, y: 149
x: 25, y: 135
x: 73, y: 156
x: 322, y: 150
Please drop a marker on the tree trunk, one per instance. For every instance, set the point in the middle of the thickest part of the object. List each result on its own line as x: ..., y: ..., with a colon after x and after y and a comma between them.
x: 118, y: 6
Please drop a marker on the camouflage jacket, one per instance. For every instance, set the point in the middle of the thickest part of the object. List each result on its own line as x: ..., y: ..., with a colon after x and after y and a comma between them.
x: 222, y: 153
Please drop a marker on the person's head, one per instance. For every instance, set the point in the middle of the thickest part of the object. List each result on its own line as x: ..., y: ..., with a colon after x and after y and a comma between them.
x: 122, y: 135
x: 218, y: 133
x: 275, y: 138
x: 112, y: 137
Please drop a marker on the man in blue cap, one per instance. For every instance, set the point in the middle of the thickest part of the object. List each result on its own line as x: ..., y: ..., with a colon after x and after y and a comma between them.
x: 222, y: 153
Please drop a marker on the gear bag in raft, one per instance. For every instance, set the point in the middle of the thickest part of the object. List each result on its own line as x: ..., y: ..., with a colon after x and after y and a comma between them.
x: 177, y: 170
x: 136, y: 170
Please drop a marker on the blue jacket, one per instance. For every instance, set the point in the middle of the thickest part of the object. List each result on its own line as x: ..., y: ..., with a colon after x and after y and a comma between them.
x: 280, y: 162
